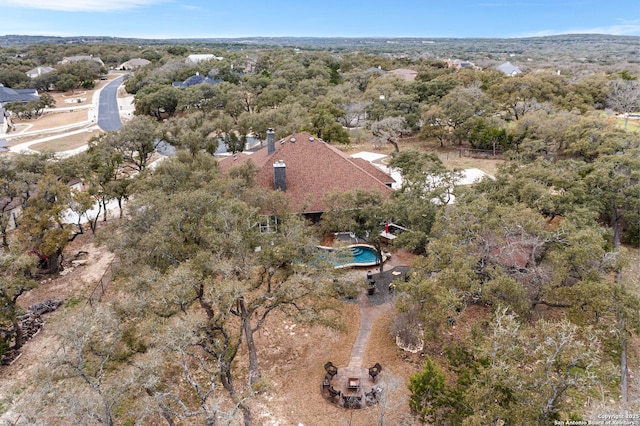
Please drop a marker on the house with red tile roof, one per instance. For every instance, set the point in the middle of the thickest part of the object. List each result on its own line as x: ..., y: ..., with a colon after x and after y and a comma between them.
x: 306, y: 168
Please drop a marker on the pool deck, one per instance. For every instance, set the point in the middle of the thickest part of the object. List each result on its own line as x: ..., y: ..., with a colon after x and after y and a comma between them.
x: 383, y: 288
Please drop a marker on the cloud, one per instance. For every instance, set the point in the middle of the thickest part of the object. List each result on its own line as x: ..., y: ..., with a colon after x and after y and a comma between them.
x: 191, y: 8
x: 80, y: 5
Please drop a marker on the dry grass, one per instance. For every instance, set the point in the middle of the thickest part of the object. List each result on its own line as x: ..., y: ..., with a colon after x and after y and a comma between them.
x: 67, y: 117
x: 51, y: 120
x: 450, y: 156
x: 453, y: 160
x: 293, y: 359
x: 67, y: 142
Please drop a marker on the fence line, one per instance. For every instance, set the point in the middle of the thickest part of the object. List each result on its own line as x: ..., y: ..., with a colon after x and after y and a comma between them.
x: 480, y: 153
x: 101, y: 287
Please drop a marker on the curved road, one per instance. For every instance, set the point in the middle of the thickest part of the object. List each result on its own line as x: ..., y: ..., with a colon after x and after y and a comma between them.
x: 108, y: 112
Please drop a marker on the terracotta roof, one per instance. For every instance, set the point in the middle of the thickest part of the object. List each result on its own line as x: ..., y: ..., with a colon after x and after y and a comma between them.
x: 227, y: 163
x: 373, y: 170
x: 313, y: 169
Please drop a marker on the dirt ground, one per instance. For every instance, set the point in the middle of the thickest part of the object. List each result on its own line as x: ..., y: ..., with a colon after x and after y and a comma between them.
x: 450, y: 156
x: 67, y: 142
x: 73, y: 286
x: 291, y: 356
x: 46, y: 122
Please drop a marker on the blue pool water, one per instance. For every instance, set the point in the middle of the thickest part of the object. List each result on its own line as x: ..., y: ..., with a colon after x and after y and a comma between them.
x: 357, y: 255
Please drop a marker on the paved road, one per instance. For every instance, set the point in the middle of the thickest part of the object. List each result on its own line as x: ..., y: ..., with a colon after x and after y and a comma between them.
x: 108, y: 112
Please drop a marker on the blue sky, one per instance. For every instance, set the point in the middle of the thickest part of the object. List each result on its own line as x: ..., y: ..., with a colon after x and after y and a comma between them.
x: 326, y: 18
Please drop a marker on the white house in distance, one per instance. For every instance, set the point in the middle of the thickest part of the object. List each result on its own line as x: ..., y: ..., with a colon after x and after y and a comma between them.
x: 39, y: 71
x: 509, y: 69
x: 196, y: 59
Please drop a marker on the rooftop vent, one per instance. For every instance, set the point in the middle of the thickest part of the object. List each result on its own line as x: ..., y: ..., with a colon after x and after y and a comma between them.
x: 292, y: 140
x: 311, y: 139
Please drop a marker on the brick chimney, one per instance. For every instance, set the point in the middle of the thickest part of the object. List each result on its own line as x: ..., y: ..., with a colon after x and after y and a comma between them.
x: 280, y: 176
x: 271, y: 141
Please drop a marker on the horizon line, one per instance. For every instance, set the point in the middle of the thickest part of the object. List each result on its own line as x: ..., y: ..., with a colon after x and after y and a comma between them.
x: 317, y: 36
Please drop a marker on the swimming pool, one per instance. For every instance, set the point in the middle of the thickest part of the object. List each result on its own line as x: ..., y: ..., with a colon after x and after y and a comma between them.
x: 353, y: 255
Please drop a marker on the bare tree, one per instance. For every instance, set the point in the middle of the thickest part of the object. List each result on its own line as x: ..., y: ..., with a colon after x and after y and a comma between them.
x: 197, y: 393
x: 389, y: 130
x: 90, y: 389
x: 391, y: 403
x: 624, y: 97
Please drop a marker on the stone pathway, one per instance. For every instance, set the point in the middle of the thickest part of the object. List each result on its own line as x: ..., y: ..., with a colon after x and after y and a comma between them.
x: 368, y: 315
x: 371, y: 308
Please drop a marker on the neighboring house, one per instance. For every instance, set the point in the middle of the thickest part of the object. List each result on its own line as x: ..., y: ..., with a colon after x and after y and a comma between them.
x: 460, y: 64
x: 69, y: 59
x: 248, y: 64
x: 133, y: 64
x: 17, y: 95
x: 8, y: 95
x: 307, y: 168
x: 77, y: 184
x: 196, y: 59
x: 196, y: 79
x: 405, y: 74
x: 39, y: 71
x: 509, y: 69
